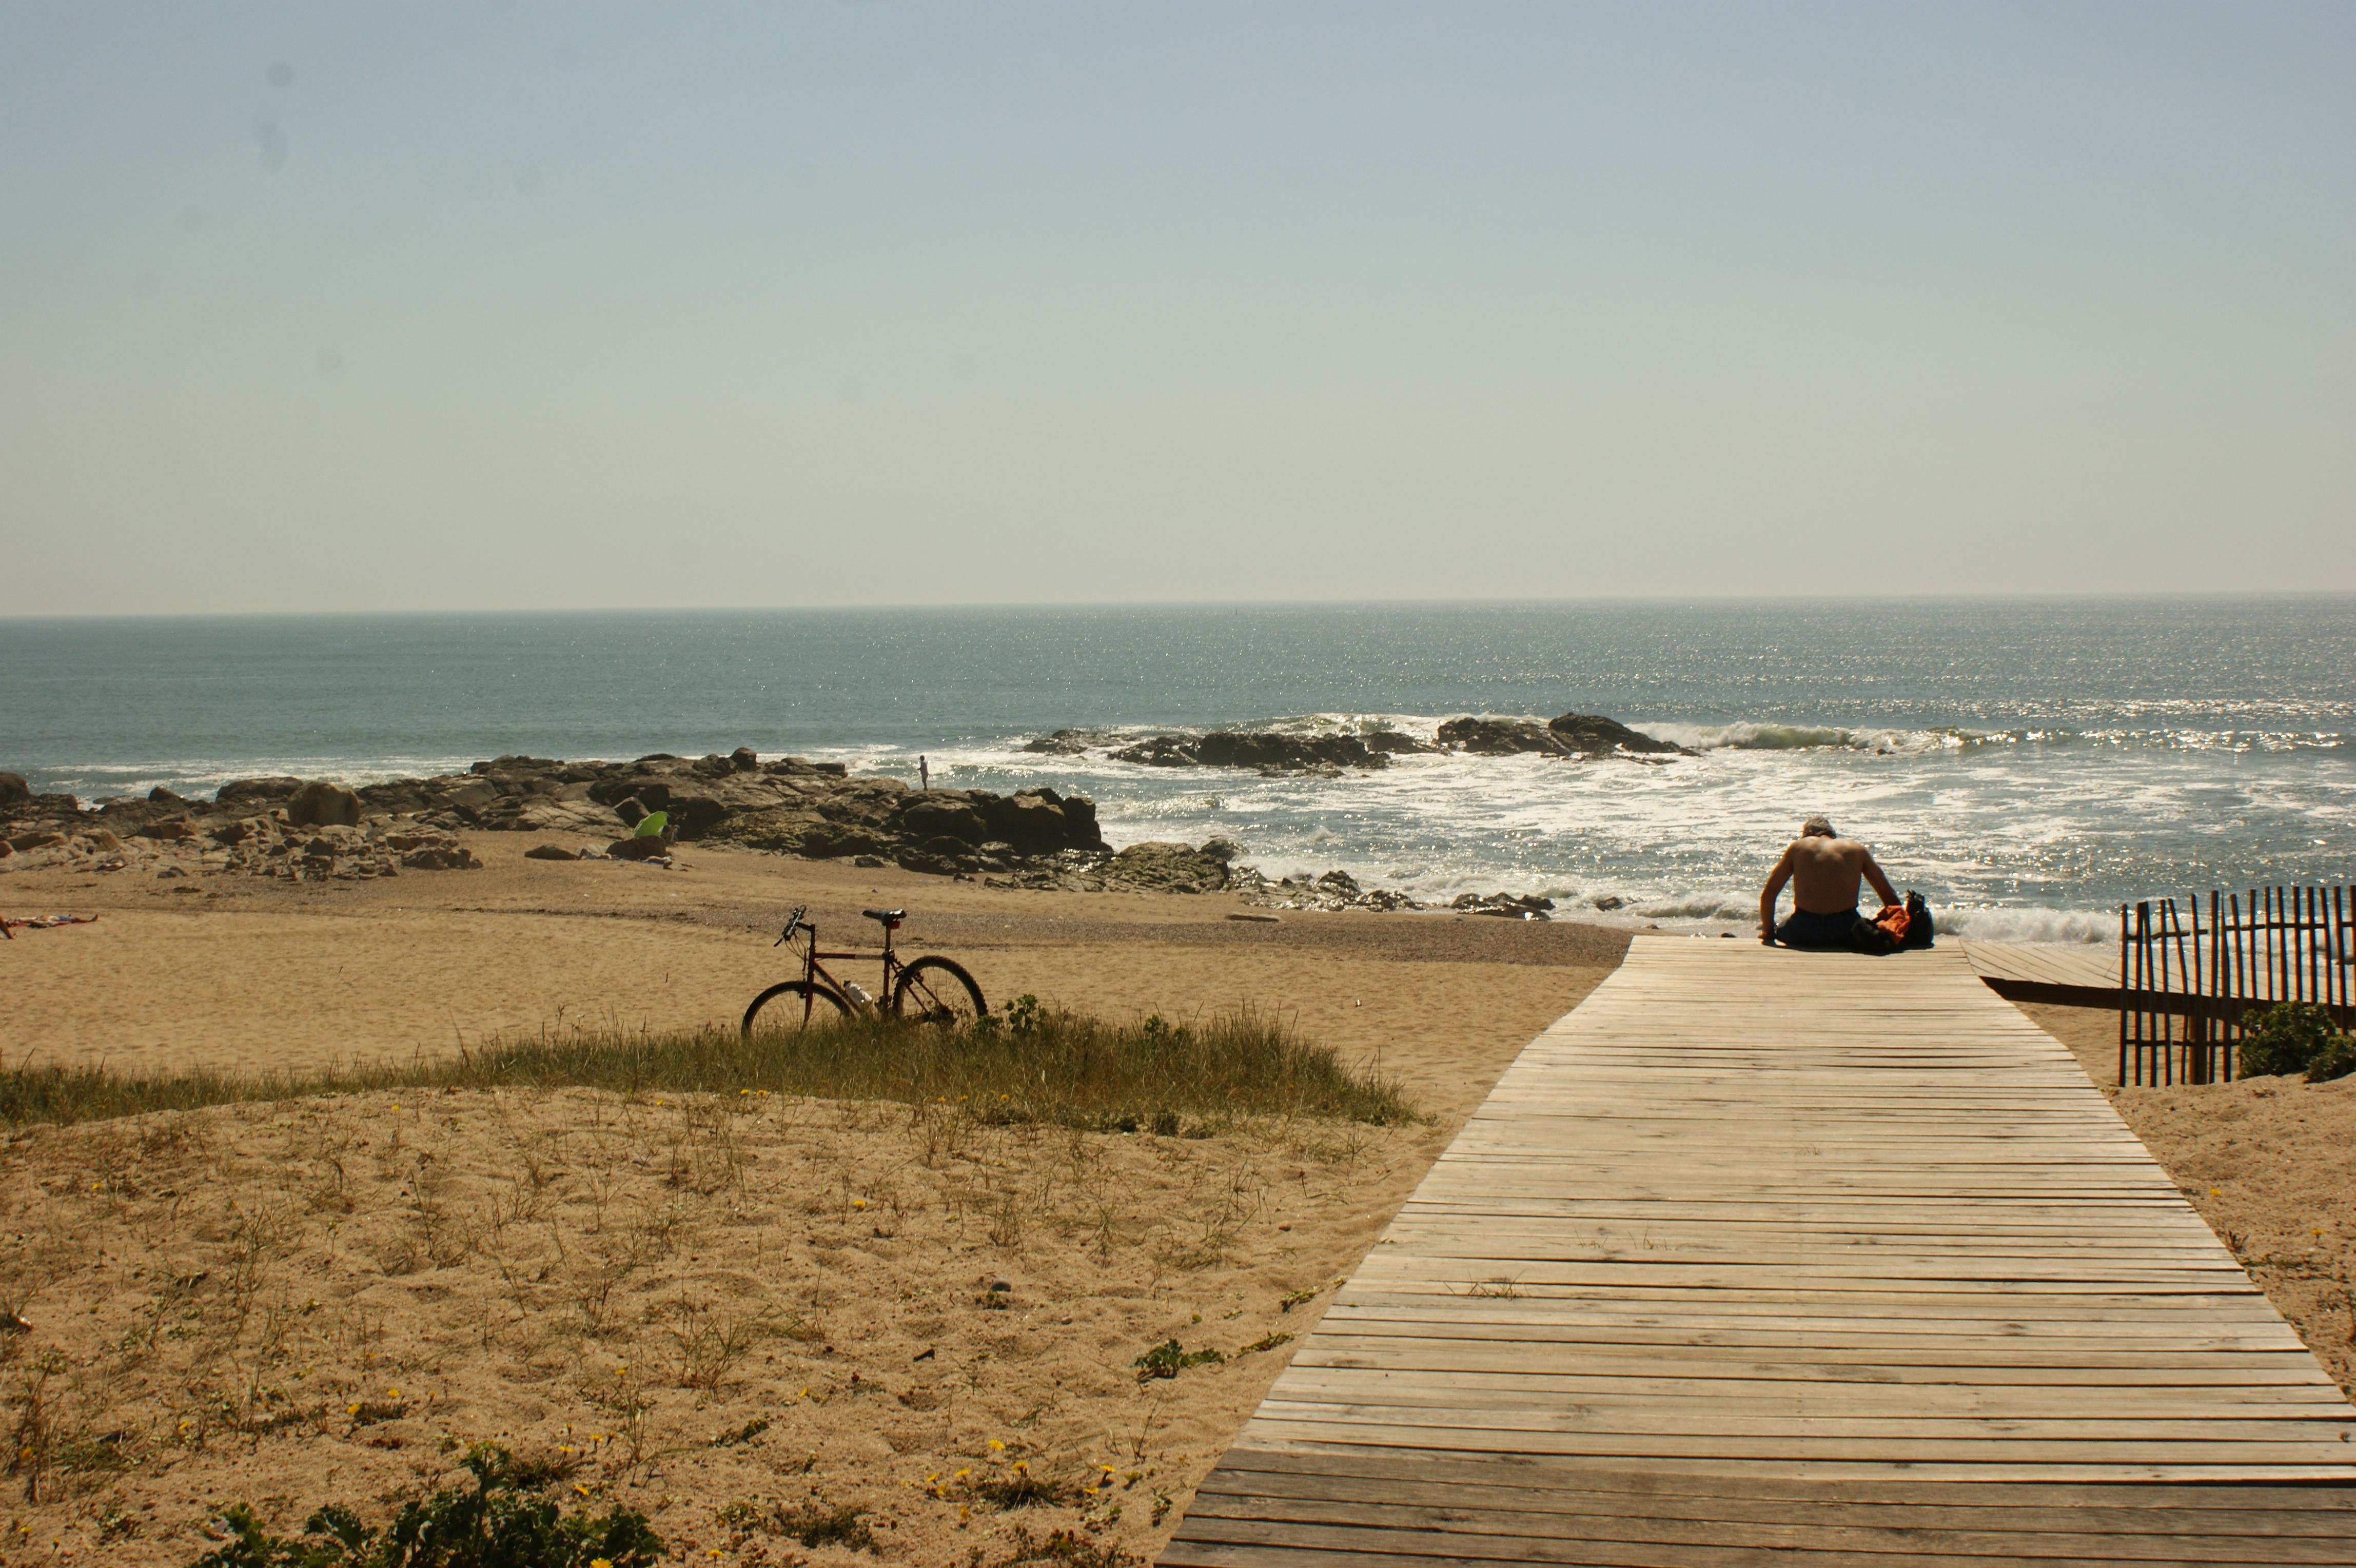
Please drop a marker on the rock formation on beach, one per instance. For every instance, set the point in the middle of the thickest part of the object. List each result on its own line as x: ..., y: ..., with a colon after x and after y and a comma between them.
x: 786, y: 804
x: 264, y: 844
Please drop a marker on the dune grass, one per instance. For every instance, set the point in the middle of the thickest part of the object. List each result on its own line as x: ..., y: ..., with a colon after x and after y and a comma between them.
x: 1031, y: 1066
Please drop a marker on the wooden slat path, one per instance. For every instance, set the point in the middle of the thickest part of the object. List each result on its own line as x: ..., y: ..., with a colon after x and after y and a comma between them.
x: 1770, y: 1257
x: 2080, y: 967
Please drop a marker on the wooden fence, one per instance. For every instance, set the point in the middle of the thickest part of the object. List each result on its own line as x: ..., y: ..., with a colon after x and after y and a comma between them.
x: 2185, y: 984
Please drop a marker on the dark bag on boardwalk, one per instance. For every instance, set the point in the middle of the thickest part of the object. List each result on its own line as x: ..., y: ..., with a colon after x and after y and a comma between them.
x: 1918, y: 920
x: 1899, y: 926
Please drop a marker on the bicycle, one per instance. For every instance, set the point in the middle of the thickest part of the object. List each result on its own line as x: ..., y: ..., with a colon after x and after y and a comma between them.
x: 931, y: 988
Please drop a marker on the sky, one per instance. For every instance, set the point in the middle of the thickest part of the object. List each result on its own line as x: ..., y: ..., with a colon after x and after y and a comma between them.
x: 379, y: 307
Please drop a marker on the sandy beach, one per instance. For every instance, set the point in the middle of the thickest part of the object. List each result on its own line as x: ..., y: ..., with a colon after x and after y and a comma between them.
x: 738, y: 1316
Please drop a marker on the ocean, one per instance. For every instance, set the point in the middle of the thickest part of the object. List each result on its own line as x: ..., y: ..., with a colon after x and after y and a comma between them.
x: 2027, y: 764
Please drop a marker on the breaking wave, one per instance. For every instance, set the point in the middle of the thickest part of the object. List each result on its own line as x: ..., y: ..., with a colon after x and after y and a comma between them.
x: 2032, y: 925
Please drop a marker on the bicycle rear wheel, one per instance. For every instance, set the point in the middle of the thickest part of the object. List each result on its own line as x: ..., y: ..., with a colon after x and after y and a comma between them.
x: 795, y: 1005
x: 938, y: 991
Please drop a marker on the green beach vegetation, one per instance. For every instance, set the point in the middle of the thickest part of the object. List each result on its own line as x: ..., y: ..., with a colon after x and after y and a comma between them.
x: 1033, y: 1065
x: 2294, y: 1037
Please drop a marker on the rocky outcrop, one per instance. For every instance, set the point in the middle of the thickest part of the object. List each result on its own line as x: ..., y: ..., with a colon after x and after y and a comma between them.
x: 263, y: 845
x: 1511, y: 907
x: 1269, y: 752
x: 811, y: 809
x: 1592, y: 734
x: 1572, y: 735
x: 1394, y: 743
x: 13, y: 791
x: 1499, y: 737
x: 258, y: 792
x: 1067, y: 743
x: 320, y: 804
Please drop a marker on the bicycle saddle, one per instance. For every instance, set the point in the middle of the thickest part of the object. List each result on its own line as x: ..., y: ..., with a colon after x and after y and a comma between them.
x: 889, y: 917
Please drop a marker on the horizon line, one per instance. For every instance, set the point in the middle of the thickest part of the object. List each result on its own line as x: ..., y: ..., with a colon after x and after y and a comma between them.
x: 2047, y: 597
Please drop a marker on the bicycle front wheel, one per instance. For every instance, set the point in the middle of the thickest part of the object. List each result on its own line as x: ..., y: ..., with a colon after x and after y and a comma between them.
x: 938, y: 991
x: 796, y: 1005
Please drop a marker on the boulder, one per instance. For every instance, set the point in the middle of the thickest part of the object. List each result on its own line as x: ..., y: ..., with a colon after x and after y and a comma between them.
x: 695, y: 812
x: 395, y: 796
x: 322, y: 804
x: 1067, y: 743
x: 465, y: 798
x: 943, y: 813
x: 1592, y: 734
x: 13, y: 791
x: 170, y: 830
x: 1234, y: 749
x: 24, y: 843
x: 256, y: 791
x: 1499, y: 737
x: 1508, y: 906
x: 1393, y: 743
x: 745, y: 760
x: 549, y: 852
x: 1572, y: 735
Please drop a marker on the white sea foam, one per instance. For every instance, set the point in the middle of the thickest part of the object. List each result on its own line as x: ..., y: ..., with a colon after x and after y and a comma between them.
x: 2030, y: 924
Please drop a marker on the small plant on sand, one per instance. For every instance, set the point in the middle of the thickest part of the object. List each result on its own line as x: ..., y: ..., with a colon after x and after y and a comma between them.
x: 2289, y: 1038
x: 1170, y: 1359
x: 814, y: 1522
x: 497, y: 1524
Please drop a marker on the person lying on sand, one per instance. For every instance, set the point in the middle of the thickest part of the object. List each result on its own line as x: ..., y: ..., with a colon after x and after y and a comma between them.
x: 1822, y: 868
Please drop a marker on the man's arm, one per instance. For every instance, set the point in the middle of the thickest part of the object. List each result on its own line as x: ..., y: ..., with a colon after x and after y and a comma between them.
x: 1775, y: 880
x: 1881, y: 884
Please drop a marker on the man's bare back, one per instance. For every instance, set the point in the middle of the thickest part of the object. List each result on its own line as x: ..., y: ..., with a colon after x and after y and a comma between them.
x: 1824, y: 870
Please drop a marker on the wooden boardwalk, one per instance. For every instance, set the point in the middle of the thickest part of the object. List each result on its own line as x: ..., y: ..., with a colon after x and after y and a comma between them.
x: 1770, y: 1257
x: 2082, y: 967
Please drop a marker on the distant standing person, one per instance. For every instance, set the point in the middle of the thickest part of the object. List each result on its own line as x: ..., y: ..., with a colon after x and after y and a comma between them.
x: 923, y: 772
x: 1824, y: 869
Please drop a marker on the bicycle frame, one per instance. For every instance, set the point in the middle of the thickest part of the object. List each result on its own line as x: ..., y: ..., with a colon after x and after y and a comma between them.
x: 814, y: 970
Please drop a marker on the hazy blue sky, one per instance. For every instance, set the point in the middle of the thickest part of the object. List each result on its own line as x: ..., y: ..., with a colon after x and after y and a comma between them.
x: 354, y: 306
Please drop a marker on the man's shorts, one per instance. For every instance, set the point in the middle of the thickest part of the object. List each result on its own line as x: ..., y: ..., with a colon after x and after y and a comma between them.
x: 1802, y: 930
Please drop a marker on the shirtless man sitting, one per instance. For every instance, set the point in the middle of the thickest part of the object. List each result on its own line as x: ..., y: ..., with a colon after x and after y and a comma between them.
x: 1822, y: 868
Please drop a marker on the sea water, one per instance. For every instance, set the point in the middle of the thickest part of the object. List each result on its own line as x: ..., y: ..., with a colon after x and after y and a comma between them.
x: 2026, y: 764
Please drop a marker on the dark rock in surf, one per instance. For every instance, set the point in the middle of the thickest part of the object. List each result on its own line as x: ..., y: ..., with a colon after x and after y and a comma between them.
x: 1232, y: 748
x: 1572, y: 735
x: 1592, y: 734
x: 1499, y: 737
x: 1067, y: 743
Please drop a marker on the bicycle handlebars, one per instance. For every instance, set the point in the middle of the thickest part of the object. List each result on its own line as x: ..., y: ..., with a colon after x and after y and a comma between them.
x: 793, y: 923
